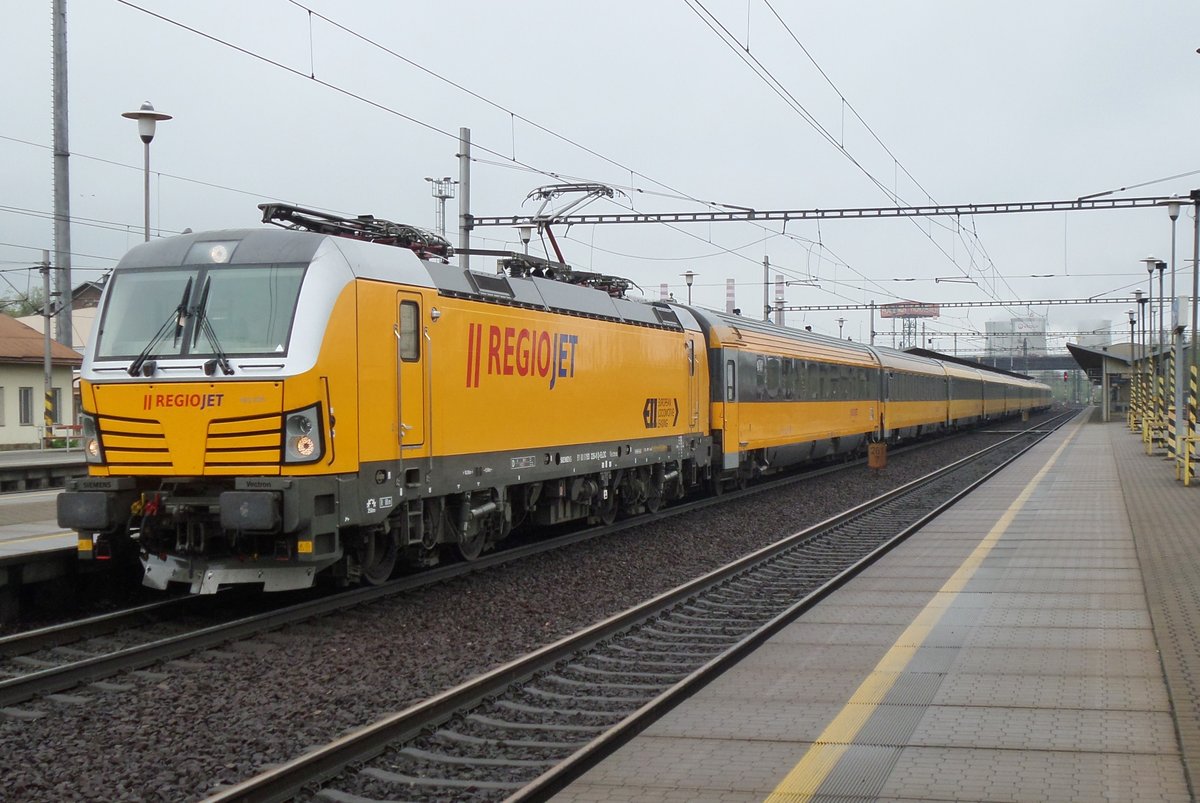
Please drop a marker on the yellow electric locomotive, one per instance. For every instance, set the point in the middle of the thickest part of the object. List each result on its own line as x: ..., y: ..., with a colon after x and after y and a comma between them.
x: 262, y: 405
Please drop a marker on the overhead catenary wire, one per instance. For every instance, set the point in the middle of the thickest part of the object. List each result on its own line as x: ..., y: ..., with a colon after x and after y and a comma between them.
x: 532, y: 168
x: 410, y: 118
x: 779, y: 89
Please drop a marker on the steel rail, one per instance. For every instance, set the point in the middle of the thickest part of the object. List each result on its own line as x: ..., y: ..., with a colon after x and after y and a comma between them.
x: 287, y: 779
x: 42, y: 638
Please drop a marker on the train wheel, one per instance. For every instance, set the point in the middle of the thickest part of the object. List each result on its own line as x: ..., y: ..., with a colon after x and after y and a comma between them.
x: 470, y: 549
x: 377, y: 558
x: 606, y: 511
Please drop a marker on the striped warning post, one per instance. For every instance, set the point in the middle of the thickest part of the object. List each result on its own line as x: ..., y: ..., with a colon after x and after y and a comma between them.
x: 1150, y: 429
x: 1189, y: 453
x: 1135, y: 379
x: 1160, y: 402
x: 1169, y: 407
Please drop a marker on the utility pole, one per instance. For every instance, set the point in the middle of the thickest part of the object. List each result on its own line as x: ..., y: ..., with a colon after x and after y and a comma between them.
x: 779, y: 290
x: 465, y: 223
x: 766, y: 288
x: 62, y: 188
x: 48, y: 381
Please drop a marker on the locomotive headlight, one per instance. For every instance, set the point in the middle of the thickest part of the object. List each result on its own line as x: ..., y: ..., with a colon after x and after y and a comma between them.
x: 302, y: 436
x: 304, y: 446
x: 299, y: 424
x: 93, y: 452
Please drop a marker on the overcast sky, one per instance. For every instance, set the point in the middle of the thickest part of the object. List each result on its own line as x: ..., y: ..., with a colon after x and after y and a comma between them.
x: 966, y: 102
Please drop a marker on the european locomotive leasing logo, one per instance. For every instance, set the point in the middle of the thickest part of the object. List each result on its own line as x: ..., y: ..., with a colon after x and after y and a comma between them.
x: 513, y: 351
x: 199, y: 401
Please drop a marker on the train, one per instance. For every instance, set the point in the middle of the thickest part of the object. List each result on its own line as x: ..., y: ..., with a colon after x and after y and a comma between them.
x: 330, y: 396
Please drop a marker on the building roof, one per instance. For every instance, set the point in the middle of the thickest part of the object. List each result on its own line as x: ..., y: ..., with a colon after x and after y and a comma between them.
x: 1119, y: 356
x: 22, y: 345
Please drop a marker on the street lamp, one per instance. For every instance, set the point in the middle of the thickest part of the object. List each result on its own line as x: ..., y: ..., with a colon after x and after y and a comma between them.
x: 1150, y: 262
x: 688, y: 276
x: 525, y: 233
x: 1160, y: 368
x: 1143, y: 395
x: 146, y: 118
x: 1132, y: 363
x: 840, y: 321
x: 1162, y: 267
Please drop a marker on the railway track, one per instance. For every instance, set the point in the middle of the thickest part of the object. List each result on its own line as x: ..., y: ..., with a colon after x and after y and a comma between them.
x: 527, y: 729
x: 57, y: 658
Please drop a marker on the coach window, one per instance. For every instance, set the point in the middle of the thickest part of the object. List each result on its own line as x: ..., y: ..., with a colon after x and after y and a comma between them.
x: 410, y: 335
x: 773, y: 378
x: 760, y: 376
x: 730, y: 381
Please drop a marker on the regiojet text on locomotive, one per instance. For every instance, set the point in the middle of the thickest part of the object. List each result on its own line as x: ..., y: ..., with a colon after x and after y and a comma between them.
x: 513, y: 351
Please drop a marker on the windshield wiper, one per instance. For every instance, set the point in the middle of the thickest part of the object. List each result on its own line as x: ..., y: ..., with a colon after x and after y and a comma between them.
x: 177, y: 316
x: 202, y: 325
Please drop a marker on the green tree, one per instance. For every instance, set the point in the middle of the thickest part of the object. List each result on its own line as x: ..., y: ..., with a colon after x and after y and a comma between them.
x: 18, y: 306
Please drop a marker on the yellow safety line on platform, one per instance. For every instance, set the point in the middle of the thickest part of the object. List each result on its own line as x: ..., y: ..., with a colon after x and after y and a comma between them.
x: 819, y: 761
x: 6, y: 541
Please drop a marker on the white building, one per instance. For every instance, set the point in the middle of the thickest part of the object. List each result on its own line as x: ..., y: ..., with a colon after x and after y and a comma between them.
x: 1016, y: 338
x: 22, y: 384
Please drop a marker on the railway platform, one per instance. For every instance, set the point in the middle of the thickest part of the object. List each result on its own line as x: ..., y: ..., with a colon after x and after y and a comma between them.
x: 33, y: 548
x: 1036, y: 642
x: 30, y: 469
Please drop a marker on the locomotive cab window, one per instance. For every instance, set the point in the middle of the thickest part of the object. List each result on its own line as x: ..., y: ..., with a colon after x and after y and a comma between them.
x: 410, y: 335
x: 246, y: 309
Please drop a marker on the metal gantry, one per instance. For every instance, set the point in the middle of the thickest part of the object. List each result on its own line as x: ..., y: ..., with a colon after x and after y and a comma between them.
x: 851, y: 213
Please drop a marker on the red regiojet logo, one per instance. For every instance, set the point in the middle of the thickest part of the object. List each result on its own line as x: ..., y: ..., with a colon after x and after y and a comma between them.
x: 513, y: 351
x: 199, y: 401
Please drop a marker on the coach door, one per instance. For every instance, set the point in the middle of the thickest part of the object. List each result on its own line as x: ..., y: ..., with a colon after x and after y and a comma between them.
x: 729, y: 397
x: 411, y: 360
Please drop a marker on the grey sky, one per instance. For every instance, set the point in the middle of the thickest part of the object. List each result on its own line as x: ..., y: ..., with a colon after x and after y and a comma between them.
x: 980, y: 102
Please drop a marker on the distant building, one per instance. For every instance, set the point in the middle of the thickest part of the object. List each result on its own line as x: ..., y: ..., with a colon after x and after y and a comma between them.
x: 1101, y: 334
x: 84, y: 301
x: 1016, y: 338
x: 22, y: 379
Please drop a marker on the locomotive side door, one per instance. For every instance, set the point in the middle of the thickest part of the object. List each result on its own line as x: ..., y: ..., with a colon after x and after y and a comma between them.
x: 411, y: 358
x: 694, y: 387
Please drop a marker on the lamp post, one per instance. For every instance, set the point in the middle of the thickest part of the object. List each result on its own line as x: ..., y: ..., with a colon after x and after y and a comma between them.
x: 841, y: 322
x: 1160, y: 369
x: 1162, y: 319
x: 1152, y: 366
x: 1173, y: 206
x: 688, y: 276
x: 1132, y: 367
x: 146, y: 118
x: 1142, y: 390
x: 525, y: 233
x: 443, y: 190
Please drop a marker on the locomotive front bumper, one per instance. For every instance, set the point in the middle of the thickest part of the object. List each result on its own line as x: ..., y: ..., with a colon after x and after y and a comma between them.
x: 207, y: 576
